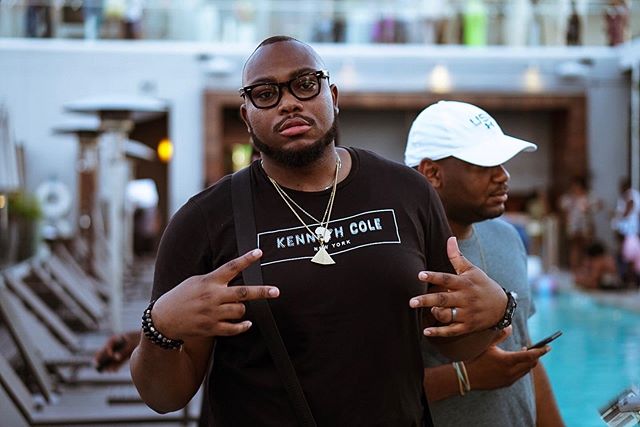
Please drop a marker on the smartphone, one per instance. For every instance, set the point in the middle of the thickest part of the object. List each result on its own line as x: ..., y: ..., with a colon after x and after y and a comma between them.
x: 545, y: 341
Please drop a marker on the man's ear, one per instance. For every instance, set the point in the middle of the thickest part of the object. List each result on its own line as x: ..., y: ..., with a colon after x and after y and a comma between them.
x: 432, y: 171
x: 334, y: 97
x: 243, y: 114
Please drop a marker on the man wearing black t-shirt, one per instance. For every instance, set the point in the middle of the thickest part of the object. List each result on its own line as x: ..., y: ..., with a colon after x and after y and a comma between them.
x: 343, y: 239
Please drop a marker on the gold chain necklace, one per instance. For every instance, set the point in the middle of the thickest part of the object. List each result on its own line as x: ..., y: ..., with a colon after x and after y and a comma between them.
x: 322, y: 233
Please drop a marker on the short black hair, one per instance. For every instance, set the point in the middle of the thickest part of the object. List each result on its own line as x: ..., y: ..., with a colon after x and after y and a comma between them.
x: 580, y: 180
x: 266, y: 42
x: 276, y: 39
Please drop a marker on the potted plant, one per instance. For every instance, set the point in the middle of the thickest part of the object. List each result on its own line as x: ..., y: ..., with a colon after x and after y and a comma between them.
x: 24, y: 222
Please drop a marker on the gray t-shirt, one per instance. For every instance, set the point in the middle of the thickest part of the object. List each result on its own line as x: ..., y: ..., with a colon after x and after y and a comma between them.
x: 496, y: 248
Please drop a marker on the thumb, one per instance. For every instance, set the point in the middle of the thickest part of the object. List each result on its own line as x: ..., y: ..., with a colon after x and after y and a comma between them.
x: 503, y: 335
x: 458, y: 261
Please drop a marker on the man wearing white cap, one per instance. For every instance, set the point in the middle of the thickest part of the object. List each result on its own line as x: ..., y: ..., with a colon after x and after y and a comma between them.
x: 460, y: 150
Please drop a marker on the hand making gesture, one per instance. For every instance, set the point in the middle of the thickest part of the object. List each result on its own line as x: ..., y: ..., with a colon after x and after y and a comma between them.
x: 205, y: 306
x: 470, y: 301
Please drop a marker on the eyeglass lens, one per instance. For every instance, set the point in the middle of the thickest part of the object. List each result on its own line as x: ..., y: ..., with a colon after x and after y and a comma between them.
x: 303, y: 87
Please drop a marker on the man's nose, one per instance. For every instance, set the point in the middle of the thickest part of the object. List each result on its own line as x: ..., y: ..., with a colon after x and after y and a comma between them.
x: 501, y: 174
x: 288, y: 102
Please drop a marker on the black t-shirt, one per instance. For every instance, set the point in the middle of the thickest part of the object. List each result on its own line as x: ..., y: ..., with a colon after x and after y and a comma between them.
x: 348, y: 327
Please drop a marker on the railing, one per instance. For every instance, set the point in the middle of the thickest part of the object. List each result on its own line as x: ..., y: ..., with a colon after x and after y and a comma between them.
x: 495, y: 22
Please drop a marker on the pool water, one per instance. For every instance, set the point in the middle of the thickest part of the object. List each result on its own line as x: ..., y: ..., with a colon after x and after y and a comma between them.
x: 597, y: 357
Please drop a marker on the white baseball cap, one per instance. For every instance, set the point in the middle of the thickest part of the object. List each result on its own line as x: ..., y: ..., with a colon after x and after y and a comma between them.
x: 461, y: 130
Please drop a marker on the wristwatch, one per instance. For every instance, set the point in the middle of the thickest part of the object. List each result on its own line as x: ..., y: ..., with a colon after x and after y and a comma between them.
x: 512, y: 303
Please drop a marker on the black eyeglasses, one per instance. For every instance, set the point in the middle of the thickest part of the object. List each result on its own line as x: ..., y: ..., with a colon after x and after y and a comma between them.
x: 268, y: 95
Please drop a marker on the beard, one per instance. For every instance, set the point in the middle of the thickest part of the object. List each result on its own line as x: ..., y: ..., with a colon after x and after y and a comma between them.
x: 297, y: 158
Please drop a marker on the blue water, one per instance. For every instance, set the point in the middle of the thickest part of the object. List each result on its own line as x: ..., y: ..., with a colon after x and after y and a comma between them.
x: 597, y: 356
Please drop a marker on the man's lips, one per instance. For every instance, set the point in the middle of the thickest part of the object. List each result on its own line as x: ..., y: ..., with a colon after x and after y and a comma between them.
x: 293, y: 126
x: 500, y: 197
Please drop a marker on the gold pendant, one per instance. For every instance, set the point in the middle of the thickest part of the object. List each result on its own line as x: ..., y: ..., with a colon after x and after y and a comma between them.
x: 322, y: 257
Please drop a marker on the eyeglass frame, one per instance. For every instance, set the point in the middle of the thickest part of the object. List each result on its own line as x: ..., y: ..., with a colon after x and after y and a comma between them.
x: 320, y: 74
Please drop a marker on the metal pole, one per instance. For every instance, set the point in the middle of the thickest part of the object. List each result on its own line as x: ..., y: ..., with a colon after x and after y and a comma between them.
x: 116, y: 121
x: 117, y: 129
x: 87, y: 169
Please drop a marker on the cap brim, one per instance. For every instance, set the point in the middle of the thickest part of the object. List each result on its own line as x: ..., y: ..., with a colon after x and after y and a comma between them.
x: 494, y: 152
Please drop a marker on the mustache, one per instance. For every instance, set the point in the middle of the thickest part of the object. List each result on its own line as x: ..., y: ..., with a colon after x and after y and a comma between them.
x: 503, y: 189
x: 278, y: 125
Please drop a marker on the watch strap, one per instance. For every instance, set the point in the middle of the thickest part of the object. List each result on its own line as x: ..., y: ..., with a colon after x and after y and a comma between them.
x: 512, y: 303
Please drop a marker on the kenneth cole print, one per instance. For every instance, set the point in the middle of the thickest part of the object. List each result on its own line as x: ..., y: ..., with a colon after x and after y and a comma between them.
x: 345, y: 234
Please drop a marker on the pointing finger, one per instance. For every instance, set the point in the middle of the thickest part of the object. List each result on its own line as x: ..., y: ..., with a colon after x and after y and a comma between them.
x: 444, y: 280
x: 226, y: 272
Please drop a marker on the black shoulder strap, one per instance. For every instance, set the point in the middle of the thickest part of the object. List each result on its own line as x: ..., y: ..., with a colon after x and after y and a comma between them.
x: 244, y: 223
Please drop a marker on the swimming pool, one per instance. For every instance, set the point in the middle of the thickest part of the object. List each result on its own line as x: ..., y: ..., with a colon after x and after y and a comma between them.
x: 597, y: 356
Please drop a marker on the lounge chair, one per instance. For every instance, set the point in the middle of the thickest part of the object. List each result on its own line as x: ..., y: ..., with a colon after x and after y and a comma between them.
x: 76, y: 407
x: 42, y: 348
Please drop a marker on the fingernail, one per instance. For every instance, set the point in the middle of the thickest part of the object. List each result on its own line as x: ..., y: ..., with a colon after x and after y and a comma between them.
x: 274, y: 292
x: 248, y: 324
x: 256, y: 252
x: 414, y: 303
x: 423, y: 275
x: 427, y: 332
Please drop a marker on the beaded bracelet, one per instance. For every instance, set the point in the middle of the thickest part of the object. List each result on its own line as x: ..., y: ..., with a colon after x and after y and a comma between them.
x: 154, y: 335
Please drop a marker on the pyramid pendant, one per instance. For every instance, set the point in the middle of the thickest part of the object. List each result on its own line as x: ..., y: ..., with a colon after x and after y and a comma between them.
x: 322, y: 257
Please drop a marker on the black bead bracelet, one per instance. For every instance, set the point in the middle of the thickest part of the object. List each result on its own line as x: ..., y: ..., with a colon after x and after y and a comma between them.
x: 154, y: 335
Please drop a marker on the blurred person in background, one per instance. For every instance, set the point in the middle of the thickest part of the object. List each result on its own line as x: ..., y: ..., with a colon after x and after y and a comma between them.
x: 626, y: 224
x: 599, y: 269
x: 460, y: 150
x: 578, y: 206
x: 537, y: 208
x: 116, y: 351
x: 616, y: 20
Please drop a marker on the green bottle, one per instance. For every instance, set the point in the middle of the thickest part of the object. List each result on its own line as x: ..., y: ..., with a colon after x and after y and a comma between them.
x: 475, y: 23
